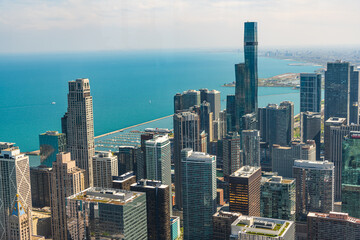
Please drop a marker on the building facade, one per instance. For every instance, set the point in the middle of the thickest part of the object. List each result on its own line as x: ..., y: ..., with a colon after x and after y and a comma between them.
x: 310, y: 92
x: 51, y: 143
x: 105, y: 165
x: 157, y: 208
x: 124, y: 181
x: 244, y: 189
x: 67, y: 179
x: 251, y: 147
x: 107, y: 214
x: 15, y: 186
x: 222, y: 224
x: 333, y: 121
x: 350, y: 181
x: 199, y: 194
x: 78, y: 125
x: 334, y: 225
x: 278, y: 198
x: 232, y: 155
x: 311, y: 129
x: 40, y: 178
x: 314, y: 187
x: 186, y: 135
x: 283, y: 157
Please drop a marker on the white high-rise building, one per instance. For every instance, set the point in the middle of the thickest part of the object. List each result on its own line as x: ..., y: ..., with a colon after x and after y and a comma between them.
x: 78, y: 125
x: 14, y: 186
x: 105, y: 166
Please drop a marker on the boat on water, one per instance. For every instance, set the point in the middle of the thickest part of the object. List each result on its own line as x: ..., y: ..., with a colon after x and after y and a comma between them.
x: 53, y: 103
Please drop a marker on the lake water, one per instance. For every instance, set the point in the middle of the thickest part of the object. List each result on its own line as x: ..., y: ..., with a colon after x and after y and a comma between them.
x: 127, y: 87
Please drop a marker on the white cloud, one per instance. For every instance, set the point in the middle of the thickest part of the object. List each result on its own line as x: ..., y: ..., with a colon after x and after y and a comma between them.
x: 118, y: 24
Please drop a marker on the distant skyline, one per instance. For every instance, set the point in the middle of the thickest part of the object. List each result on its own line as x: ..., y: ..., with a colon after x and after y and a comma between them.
x: 93, y: 25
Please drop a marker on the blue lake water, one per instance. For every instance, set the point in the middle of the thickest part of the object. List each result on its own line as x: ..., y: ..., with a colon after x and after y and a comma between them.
x: 127, y: 87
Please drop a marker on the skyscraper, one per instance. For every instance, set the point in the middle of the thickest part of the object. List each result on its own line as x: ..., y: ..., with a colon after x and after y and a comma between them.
x: 186, y: 135
x: 232, y: 159
x: 337, y: 134
x: 311, y: 129
x: 278, y: 198
x: 251, y: 147
x: 230, y: 113
x: 105, y: 165
x: 20, y: 222
x: 222, y: 224
x: 276, y: 123
x: 354, y: 96
x: 40, y: 186
x: 243, y: 94
x: 14, y: 186
x: 333, y: 121
x: 350, y: 181
x: 244, y: 187
x: 79, y: 126
x: 251, y: 55
x: 199, y: 194
x: 314, y: 187
x: 51, y: 143
x: 157, y: 208
x: 187, y: 99
x: 283, y: 157
x: 206, y: 122
x: 310, y: 92
x: 107, y: 213
x: 67, y: 179
x: 128, y: 157
x: 212, y: 97
x: 337, y: 90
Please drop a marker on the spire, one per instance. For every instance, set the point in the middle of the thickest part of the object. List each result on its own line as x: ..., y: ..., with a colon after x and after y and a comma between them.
x: 18, y: 209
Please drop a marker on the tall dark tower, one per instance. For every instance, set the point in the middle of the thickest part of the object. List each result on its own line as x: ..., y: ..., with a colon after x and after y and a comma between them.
x: 246, y: 86
x: 251, y: 55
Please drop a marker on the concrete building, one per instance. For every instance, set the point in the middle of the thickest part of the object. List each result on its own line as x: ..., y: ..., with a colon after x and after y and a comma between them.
x: 232, y: 154
x: 230, y: 113
x: 78, y: 125
x: 199, y: 194
x: 186, y: 135
x: 337, y: 135
x: 259, y: 228
x: 278, y: 198
x: 175, y: 227
x: 310, y: 92
x: 276, y: 123
x: 244, y: 188
x: 311, y: 129
x: 222, y: 224
x: 157, y: 208
x: 40, y: 178
x: 350, y: 180
x: 283, y: 157
x: 333, y: 121
x: 334, y: 225
x: 67, y: 179
x: 51, y: 143
x: 107, y: 214
x: 314, y: 187
x: 15, y: 188
x: 354, y: 96
x: 251, y: 147
x: 124, y: 181
x: 41, y: 219
x: 105, y: 165
x: 187, y: 99
x: 20, y: 222
x: 206, y: 121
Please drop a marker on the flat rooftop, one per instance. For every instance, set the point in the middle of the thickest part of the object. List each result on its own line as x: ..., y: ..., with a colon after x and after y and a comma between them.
x: 106, y: 195
x: 245, y: 171
x: 319, y: 165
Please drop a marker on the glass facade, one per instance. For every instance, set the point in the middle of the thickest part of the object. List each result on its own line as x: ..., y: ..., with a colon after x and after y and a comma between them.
x: 51, y: 143
x: 350, y: 187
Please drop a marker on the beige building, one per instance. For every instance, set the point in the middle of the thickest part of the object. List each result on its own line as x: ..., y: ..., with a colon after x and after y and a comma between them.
x: 14, y: 186
x: 19, y: 222
x: 78, y: 125
x: 41, y: 222
x: 67, y: 179
x: 105, y: 165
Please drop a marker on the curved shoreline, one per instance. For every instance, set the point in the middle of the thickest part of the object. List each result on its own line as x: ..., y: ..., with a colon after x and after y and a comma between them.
x: 123, y: 129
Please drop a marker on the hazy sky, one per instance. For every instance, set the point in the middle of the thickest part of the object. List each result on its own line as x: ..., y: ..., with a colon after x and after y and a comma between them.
x: 67, y: 25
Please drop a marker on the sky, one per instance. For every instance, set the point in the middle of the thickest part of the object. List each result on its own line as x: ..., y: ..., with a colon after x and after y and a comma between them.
x: 95, y: 25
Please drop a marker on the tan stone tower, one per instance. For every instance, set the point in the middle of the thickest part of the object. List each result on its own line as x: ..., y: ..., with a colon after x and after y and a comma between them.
x: 67, y: 179
x: 78, y: 124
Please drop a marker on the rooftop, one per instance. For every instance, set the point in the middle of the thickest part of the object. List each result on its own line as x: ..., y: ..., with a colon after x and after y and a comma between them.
x: 106, y: 195
x: 123, y: 177
x: 149, y: 184
x: 335, y: 215
x: 319, y: 165
x: 245, y: 171
x: 200, y: 156
x: 278, y: 180
x: 336, y: 120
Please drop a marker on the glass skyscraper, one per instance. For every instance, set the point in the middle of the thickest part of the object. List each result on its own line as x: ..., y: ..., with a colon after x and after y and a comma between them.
x: 51, y: 143
x: 350, y: 185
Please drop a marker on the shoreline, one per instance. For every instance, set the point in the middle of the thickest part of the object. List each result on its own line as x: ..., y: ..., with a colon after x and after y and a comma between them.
x: 123, y: 129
